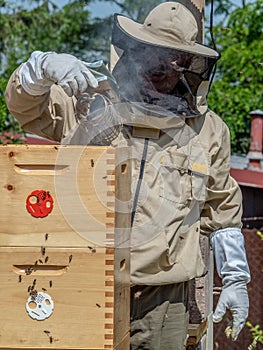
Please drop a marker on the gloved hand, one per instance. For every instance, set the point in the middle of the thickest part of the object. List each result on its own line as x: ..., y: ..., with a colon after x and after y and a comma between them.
x: 232, y: 267
x: 235, y: 298
x: 46, y: 68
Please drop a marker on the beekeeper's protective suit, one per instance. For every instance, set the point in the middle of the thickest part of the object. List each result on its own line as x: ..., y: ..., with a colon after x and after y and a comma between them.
x: 181, y: 161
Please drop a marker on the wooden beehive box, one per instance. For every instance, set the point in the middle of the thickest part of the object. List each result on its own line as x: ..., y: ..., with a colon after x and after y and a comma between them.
x: 64, y: 253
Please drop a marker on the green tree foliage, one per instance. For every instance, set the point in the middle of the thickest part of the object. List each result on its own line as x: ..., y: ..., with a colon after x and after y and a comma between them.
x: 39, y: 25
x: 44, y: 27
x: 237, y: 88
x: 3, y: 108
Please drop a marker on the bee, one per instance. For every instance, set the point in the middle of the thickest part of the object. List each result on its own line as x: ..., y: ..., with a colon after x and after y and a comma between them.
x: 46, y: 259
x: 50, y: 337
x: 19, y: 278
x: 43, y: 250
x: 44, y: 195
x: 33, y: 294
x: 92, y: 249
x: 70, y: 258
x: 29, y: 270
x: 35, y: 264
x: 46, y: 236
x: 50, y: 284
x: 44, y: 289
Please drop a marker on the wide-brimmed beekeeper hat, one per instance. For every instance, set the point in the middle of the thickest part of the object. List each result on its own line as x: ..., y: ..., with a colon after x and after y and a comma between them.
x: 169, y: 25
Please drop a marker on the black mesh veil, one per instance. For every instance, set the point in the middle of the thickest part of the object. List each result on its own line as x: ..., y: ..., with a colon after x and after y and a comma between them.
x: 167, y: 77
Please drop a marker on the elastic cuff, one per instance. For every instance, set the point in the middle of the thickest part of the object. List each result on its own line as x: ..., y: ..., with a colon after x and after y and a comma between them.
x: 225, y: 230
x: 230, y: 255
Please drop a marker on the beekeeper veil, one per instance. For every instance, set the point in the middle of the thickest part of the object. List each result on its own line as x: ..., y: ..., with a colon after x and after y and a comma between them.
x: 160, y: 73
x: 159, y: 62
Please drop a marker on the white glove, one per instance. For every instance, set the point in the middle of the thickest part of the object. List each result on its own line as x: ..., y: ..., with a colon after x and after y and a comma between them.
x: 46, y: 68
x: 232, y: 267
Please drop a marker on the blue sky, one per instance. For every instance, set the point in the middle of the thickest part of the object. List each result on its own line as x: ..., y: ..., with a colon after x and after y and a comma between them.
x: 98, y: 8
x: 103, y: 9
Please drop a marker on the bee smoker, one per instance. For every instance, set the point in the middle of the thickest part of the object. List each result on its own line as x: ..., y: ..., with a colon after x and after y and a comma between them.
x: 95, y: 107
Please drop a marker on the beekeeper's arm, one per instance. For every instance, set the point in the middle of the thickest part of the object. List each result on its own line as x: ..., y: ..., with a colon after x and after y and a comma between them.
x: 41, y: 93
x: 222, y: 216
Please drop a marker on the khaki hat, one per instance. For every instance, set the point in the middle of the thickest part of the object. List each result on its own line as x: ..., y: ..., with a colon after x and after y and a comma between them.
x: 169, y: 25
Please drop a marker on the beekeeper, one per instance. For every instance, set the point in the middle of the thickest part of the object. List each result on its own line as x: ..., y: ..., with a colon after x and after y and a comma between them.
x: 180, y: 154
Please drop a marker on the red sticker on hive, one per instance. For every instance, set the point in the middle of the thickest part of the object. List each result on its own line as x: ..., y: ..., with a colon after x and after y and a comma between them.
x: 39, y: 203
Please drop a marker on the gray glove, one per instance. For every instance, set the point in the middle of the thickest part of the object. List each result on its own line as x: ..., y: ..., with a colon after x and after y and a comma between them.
x: 235, y: 298
x: 232, y: 267
x: 46, y: 68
